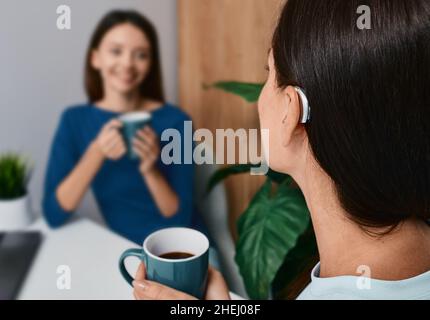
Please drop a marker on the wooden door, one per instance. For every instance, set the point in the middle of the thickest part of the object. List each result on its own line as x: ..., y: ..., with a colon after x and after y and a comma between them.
x: 224, y: 40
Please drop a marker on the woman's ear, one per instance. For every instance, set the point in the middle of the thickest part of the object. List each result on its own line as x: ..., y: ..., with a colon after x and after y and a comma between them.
x: 95, y: 59
x: 291, y: 117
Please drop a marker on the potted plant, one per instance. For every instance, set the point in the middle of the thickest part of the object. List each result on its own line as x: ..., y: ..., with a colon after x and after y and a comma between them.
x: 15, y: 211
x: 277, y: 249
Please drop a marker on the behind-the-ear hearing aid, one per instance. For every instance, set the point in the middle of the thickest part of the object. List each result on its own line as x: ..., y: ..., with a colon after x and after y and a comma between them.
x: 306, y: 109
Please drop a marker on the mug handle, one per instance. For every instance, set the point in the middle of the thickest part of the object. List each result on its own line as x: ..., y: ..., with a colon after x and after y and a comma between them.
x: 138, y: 253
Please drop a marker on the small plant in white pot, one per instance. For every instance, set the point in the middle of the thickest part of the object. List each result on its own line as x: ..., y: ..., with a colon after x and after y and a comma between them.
x: 15, y: 213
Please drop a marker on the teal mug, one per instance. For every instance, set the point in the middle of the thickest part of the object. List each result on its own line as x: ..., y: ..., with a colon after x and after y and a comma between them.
x: 131, y: 124
x: 175, y: 257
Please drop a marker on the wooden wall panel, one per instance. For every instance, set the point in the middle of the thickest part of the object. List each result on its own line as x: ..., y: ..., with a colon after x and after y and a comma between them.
x: 224, y: 40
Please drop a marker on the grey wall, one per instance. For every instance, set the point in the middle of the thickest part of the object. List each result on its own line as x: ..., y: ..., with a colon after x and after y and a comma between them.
x: 42, y: 70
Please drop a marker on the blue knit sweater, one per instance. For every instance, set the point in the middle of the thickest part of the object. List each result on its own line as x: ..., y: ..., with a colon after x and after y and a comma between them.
x: 119, y: 188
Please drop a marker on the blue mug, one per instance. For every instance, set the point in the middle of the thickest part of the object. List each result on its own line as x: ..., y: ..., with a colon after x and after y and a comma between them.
x: 131, y: 123
x: 175, y: 257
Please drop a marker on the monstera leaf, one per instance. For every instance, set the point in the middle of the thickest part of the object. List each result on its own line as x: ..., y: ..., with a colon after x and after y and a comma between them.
x: 248, y: 91
x: 268, y: 230
x: 226, y: 172
x: 295, y: 273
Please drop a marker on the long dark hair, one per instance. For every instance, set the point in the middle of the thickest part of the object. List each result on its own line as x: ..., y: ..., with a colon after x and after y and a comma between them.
x: 152, y: 86
x: 370, y: 98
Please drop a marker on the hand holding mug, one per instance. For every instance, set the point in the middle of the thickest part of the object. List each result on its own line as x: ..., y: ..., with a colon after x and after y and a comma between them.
x: 110, y: 142
x: 132, y: 124
x: 148, y: 290
x: 174, y: 258
x: 146, y: 145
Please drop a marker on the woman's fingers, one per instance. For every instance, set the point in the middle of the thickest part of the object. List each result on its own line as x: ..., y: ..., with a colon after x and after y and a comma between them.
x: 108, y: 136
x: 143, y: 156
x: 145, y: 138
x: 111, y: 127
x: 144, y: 151
x: 148, y: 137
x: 142, y: 145
x: 150, y: 132
x: 146, y: 157
x: 114, y: 146
x: 140, y: 276
x: 141, y: 272
x: 109, y: 133
x: 112, y: 141
x: 148, y: 290
x: 113, y: 124
x: 217, y: 288
x: 118, y: 151
x: 105, y: 138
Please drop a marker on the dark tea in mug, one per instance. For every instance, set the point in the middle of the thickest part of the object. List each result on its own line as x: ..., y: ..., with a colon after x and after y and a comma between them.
x: 176, y: 255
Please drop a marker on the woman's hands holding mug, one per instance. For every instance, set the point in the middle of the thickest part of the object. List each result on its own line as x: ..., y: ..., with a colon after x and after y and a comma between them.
x: 112, y: 146
x: 110, y: 142
x: 146, y: 145
x: 148, y: 290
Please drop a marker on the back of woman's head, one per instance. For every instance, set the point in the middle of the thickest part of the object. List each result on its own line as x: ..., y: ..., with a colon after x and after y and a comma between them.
x: 370, y: 99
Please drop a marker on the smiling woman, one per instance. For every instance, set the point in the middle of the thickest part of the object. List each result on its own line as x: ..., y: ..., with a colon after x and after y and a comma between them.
x: 135, y: 196
x: 133, y: 39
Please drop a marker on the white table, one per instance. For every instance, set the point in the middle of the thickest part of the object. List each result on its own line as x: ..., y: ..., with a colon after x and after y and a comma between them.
x: 91, y: 253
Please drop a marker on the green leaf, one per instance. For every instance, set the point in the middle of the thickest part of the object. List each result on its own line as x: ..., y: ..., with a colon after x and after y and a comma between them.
x: 268, y: 231
x: 248, y: 91
x: 277, y: 176
x: 224, y: 173
x: 295, y: 272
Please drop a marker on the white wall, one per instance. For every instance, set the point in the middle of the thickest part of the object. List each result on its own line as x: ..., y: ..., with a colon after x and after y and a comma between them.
x: 42, y: 69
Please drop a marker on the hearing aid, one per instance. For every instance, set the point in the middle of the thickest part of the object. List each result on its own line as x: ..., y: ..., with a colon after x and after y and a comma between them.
x: 306, y: 109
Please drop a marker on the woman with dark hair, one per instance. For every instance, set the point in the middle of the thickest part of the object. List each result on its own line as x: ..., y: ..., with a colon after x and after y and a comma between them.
x: 348, y: 112
x: 123, y: 74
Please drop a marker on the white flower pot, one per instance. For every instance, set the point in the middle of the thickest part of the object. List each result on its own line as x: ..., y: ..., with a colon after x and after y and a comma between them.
x: 15, y: 214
